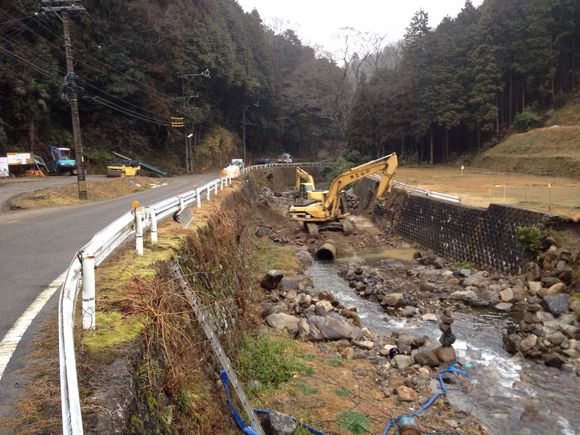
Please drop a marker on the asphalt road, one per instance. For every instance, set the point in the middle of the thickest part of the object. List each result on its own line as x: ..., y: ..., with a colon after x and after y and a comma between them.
x: 36, y: 246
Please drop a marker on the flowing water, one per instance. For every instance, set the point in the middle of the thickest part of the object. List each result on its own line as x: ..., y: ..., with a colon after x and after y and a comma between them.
x: 501, y: 386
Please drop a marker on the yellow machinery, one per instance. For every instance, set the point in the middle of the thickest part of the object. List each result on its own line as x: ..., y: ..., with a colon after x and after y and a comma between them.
x: 305, y: 188
x: 127, y: 168
x: 330, y: 211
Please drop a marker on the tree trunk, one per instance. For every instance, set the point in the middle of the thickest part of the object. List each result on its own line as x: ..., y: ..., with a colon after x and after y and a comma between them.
x: 431, y: 144
x: 31, y: 137
x: 510, y: 114
x: 478, y: 137
x: 402, y: 146
x: 446, y: 144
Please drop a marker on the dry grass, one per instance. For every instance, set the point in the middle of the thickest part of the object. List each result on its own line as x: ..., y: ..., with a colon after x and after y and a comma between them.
x: 542, y: 151
x: 480, y: 187
x: 38, y: 410
x: 99, y: 190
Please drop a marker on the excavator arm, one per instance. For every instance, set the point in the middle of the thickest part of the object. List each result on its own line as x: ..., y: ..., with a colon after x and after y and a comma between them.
x: 386, y: 166
x: 303, y: 177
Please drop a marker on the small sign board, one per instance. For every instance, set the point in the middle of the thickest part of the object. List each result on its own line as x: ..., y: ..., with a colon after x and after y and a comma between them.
x: 184, y: 217
x: 4, y: 167
x: 19, y: 158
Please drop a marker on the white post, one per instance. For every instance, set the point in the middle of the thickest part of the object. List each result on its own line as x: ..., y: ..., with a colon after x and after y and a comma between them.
x: 208, y: 192
x: 221, y: 184
x: 198, y: 197
x: 181, y: 202
x: 153, y: 215
x: 139, y: 215
x: 88, y: 305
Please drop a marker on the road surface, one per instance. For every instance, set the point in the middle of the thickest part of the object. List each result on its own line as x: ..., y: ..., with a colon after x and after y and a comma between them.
x: 36, y: 246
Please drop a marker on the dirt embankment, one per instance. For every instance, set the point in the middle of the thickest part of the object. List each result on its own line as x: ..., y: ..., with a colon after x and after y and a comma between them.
x: 98, y: 190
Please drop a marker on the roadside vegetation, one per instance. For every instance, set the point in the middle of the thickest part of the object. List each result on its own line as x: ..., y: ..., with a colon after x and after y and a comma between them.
x: 98, y: 190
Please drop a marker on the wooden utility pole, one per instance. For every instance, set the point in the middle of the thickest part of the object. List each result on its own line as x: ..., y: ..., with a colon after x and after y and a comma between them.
x: 64, y: 7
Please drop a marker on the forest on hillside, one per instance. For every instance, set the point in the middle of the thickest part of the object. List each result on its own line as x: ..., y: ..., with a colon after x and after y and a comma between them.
x: 450, y: 90
x: 436, y: 94
x: 141, y: 62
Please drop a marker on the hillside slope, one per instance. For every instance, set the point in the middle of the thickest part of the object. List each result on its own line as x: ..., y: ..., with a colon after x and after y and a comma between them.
x: 551, y: 150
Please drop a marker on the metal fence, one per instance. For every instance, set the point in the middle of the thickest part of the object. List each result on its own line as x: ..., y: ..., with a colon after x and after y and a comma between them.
x: 545, y: 196
x: 81, y: 275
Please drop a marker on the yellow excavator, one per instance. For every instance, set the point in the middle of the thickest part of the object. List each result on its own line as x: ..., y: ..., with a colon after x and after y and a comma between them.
x: 305, y: 188
x: 330, y: 211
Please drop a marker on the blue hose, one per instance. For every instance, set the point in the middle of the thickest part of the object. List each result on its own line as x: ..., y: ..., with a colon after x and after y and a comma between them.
x: 451, y: 369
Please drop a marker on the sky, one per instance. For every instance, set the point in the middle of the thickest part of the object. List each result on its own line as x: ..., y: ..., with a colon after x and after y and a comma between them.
x: 318, y: 21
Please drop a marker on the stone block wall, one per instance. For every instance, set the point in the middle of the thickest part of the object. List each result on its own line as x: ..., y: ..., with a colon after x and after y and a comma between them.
x: 486, y: 237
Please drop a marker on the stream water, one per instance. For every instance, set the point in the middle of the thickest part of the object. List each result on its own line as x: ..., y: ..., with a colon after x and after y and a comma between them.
x: 501, y: 386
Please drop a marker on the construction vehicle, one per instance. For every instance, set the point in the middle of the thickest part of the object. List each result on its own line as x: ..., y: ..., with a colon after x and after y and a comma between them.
x: 331, y: 212
x: 125, y: 168
x: 305, y: 188
x: 60, y: 161
x: 130, y: 168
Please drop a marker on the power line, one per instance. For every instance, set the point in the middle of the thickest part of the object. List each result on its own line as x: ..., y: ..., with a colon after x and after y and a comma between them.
x: 127, y: 112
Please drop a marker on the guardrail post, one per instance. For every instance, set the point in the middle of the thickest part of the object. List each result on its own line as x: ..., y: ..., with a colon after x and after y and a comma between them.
x: 198, y: 197
x: 88, y: 305
x: 153, y: 215
x: 208, y: 193
x: 221, y: 184
x: 139, y: 217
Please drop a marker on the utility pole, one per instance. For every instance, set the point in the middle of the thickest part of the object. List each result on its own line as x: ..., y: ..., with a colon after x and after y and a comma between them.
x: 186, y: 81
x: 244, y: 123
x: 65, y: 7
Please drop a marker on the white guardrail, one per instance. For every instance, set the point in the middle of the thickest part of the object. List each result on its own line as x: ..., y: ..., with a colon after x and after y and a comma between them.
x: 415, y: 189
x: 81, y: 274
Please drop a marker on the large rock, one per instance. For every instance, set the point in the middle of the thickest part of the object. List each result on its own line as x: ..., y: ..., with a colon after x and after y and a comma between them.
x: 331, y: 328
x: 323, y: 307
x: 557, y: 304
x: 271, y: 279
x: 283, y: 321
x: 506, y: 295
x: 426, y: 358
x: 535, y: 287
x: 464, y: 295
x: 478, y: 280
x: 288, y: 284
x: 554, y: 360
x: 305, y: 257
x: 429, y: 317
x: 393, y: 300
x: 528, y: 343
x: 445, y: 354
x: 277, y: 423
x: 556, y: 289
x: 402, y: 361
x: 406, y: 394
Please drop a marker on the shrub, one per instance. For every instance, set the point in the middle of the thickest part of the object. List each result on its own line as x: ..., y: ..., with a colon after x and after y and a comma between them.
x: 530, y: 239
x: 354, y: 422
x: 526, y: 120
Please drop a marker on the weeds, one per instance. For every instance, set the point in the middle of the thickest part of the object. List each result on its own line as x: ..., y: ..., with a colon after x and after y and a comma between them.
x: 268, y: 360
x: 354, y: 422
x: 307, y: 389
x: 530, y: 239
x: 336, y: 361
x: 457, y: 265
x: 343, y: 392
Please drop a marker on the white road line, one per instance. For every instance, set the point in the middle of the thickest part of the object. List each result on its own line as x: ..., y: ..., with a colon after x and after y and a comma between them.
x: 14, y: 335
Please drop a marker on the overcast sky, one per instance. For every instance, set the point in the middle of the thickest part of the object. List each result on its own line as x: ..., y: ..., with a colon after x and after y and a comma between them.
x: 316, y: 21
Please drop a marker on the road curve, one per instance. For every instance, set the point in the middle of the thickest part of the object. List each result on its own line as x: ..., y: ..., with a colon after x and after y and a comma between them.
x: 36, y: 246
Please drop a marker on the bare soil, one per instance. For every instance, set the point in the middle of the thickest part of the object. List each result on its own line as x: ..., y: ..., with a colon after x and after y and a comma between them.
x: 480, y: 187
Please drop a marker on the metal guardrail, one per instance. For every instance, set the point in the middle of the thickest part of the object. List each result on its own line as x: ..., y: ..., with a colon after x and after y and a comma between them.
x: 81, y: 274
x: 415, y: 189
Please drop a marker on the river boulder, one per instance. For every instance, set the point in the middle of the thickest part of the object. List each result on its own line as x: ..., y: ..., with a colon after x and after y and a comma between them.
x: 283, y: 321
x: 393, y: 300
x: 271, y: 279
x: 331, y: 328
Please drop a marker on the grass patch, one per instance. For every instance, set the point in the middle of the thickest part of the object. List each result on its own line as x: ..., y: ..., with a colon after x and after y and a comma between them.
x: 336, y: 361
x: 270, y: 360
x: 461, y: 265
x: 98, y: 190
x: 307, y: 389
x: 343, y: 392
x: 270, y: 256
x: 353, y: 422
x: 113, y: 330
